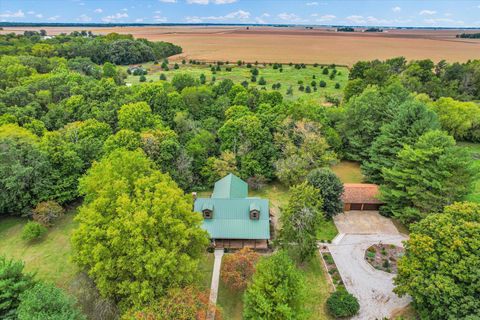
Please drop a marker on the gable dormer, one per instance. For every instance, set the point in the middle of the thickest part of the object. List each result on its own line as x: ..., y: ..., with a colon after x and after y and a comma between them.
x: 207, y: 210
x: 254, y: 211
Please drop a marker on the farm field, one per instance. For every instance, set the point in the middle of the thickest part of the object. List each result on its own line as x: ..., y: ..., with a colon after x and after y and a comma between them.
x: 298, y: 45
x: 289, y: 77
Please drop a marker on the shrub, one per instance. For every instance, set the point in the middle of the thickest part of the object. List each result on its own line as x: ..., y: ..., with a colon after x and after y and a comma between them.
x: 142, y: 78
x: 47, y: 212
x: 238, y: 268
x: 337, y: 85
x: 33, y: 230
x: 322, y: 84
x: 45, y: 301
x: 163, y: 76
x: 308, y: 89
x: 176, y: 66
x: 262, y: 81
x: 342, y: 304
x: 325, y: 71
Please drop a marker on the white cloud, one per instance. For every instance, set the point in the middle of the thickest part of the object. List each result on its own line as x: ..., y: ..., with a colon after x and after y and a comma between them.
x: 427, y: 12
x: 39, y: 15
x: 81, y: 3
x: 53, y: 18
x: 260, y: 20
x: 237, y: 15
x: 326, y: 17
x: 98, y: 10
x: 84, y: 18
x: 444, y: 21
x: 356, y: 19
x: 291, y: 17
x: 314, y: 3
x: 204, y: 2
x: 31, y: 12
x: 139, y: 20
x: 116, y: 16
x: 396, y: 9
x: 124, y: 9
x: 168, y: 1
x: 159, y: 18
x: 16, y: 14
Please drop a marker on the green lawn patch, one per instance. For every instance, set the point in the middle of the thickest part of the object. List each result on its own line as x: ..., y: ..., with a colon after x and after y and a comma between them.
x: 288, y: 77
x: 327, y: 231
x: 230, y: 302
x: 318, y: 289
x: 205, y: 269
x: 348, y: 171
x: 48, y: 257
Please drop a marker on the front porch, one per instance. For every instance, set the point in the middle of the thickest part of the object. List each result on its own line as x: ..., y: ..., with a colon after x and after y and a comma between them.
x: 240, y: 243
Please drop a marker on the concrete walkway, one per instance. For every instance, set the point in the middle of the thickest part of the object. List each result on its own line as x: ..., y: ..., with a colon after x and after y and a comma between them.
x: 215, y: 281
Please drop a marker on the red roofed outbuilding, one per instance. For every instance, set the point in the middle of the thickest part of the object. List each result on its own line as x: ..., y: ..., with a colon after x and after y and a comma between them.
x: 361, y: 196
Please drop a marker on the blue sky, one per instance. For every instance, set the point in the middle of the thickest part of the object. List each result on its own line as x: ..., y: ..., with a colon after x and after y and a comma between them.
x: 382, y: 13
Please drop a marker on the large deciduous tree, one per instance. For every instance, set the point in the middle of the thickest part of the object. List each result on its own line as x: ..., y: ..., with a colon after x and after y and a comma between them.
x: 137, y: 234
x: 441, y: 266
x: 300, y: 221
x: 277, y: 290
x: 426, y: 176
x: 24, y: 170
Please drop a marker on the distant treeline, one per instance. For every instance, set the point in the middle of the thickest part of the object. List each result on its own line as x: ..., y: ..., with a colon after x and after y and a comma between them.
x: 345, y: 29
x: 373, y: 30
x: 114, y: 48
x: 469, y: 35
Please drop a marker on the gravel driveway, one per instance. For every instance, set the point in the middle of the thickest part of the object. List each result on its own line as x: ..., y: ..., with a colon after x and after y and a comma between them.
x: 372, y: 287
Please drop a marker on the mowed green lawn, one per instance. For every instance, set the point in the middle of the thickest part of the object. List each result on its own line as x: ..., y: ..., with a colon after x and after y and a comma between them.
x: 474, y: 149
x: 289, y: 77
x: 49, y: 257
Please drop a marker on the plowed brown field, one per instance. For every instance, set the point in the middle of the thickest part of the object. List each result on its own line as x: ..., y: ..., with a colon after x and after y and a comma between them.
x: 269, y: 44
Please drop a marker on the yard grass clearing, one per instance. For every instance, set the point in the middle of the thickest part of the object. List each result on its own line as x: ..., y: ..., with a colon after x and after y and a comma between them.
x: 327, y: 231
x: 48, y: 257
x: 348, y: 171
x: 289, y: 77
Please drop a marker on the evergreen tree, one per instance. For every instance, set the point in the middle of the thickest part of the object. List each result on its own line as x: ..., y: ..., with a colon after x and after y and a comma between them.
x: 412, y: 120
x: 330, y: 188
x: 427, y: 176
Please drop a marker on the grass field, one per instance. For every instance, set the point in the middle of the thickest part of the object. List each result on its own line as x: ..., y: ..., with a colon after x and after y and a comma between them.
x: 288, y: 78
x: 48, y: 257
x: 318, y: 290
x: 348, y: 172
x: 474, y: 149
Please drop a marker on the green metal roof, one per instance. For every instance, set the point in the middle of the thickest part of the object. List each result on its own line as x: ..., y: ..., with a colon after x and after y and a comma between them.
x: 231, y: 218
x: 229, y: 187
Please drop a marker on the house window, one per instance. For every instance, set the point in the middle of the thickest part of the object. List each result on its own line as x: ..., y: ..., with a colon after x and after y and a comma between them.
x: 207, y: 214
x: 254, y: 214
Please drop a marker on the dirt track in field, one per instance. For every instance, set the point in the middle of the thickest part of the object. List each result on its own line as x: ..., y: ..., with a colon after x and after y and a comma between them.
x: 269, y: 44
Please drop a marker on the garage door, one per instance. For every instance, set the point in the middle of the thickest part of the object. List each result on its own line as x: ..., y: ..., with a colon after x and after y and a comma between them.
x: 356, y: 206
x: 371, y: 206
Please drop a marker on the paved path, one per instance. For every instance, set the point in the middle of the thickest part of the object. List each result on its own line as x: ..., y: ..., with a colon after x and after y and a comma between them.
x: 215, y: 280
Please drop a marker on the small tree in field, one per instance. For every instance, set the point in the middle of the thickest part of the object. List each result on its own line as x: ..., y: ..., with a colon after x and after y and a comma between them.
x: 342, y: 304
x: 238, y: 268
x: 47, y: 212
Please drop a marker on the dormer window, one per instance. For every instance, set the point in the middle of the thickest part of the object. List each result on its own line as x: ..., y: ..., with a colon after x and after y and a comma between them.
x: 207, y: 214
x: 254, y: 212
x: 207, y: 210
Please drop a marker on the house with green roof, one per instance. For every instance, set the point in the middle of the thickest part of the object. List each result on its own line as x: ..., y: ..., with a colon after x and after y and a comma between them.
x: 233, y: 219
